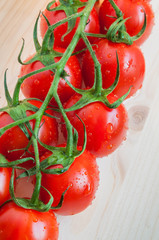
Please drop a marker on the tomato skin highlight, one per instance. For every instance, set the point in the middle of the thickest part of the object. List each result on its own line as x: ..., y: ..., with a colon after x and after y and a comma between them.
x: 82, y: 178
x: 37, y: 86
x: 5, y: 175
x: 132, y: 9
x: 56, y: 16
x: 131, y: 66
x: 14, y: 138
x: 106, y: 128
x: 20, y: 224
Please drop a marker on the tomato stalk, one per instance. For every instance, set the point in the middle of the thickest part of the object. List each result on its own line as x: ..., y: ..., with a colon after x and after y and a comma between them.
x: 7, y: 94
x: 118, y: 13
x: 35, y: 195
x: 98, y: 73
x: 53, y: 92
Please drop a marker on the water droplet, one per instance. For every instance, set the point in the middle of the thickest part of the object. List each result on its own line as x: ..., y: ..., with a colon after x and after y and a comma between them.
x: 110, y: 146
x: 109, y: 55
x: 35, y: 220
x: 89, y: 134
x: 36, y: 82
x: 109, y: 137
x: 124, y: 139
x: 109, y: 128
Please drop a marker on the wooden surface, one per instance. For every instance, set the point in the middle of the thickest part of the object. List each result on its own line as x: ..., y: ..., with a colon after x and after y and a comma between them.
x: 127, y: 202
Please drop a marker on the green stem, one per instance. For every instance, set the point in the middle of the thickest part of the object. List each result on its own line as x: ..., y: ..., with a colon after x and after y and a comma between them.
x: 7, y: 94
x: 36, y: 192
x: 35, y: 38
x: 96, y: 35
x: 18, y: 122
x: 98, y: 74
x: 119, y: 14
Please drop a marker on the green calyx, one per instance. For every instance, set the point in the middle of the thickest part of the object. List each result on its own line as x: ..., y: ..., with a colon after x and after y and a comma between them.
x: 58, y: 156
x: 70, y: 7
x: 117, y: 31
x: 44, y: 53
x: 14, y: 164
x: 18, y: 112
x: 27, y: 203
x: 94, y: 95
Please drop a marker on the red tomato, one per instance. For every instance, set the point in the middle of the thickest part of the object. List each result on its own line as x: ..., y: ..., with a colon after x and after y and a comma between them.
x: 131, y: 64
x: 106, y: 128
x: 20, y: 224
x: 82, y: 178
x: 56, y: 16
x: 38, y: 85
x: 5, y: 175
x: 132, y: 9
x: 14, y: 138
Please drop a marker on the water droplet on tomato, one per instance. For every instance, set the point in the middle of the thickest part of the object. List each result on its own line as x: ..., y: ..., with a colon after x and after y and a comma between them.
x: 97, y: 107
x: 110, y: 146
x: 89, y: 134
x: 109, y: 55
x: 109, y: 137
x: 124, y: 139
x: 110, y: 128
x: 9, y: 134
x: 35, y: 220
x: 134, y: 79
x: 36, y: 82
x: 140, y: 86
x: 142, y: 10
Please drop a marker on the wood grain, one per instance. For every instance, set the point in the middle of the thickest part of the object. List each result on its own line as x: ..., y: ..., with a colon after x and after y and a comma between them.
x: 127, y: 202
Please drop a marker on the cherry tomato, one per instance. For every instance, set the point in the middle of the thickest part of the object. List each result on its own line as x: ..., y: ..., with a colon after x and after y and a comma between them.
x: 55, y: 16
x: 106, y: 128
x: 14, y: 138
x: 82, y: 178
x: 38, y: 85
x: 17, y: 223
x: 5, y: 175
x: 132, y: 9
x: 131, y: 65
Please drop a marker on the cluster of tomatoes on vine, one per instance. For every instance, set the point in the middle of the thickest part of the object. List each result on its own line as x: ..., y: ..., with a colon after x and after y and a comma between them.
x: 74, y: 86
